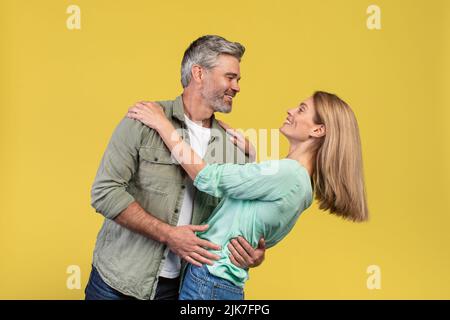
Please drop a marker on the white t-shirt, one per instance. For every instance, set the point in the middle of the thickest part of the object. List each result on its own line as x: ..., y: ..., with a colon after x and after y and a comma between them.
x: 199, y: 138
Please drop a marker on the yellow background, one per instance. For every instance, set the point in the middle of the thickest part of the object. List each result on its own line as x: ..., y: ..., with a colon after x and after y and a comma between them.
x: 63, y: 92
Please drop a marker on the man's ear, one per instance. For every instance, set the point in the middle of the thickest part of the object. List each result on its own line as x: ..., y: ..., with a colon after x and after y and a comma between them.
x: 319, y: 131
x: 197, y: 73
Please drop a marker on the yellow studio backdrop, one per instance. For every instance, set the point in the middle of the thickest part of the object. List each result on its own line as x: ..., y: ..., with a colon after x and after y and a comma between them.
x: 63, y: 90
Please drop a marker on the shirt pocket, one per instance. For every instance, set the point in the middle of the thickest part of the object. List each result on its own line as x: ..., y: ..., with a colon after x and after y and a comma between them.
x: 157, y: 171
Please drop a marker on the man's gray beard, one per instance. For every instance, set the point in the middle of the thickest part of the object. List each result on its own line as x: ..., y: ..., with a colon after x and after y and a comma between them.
x: 217, y: 103
x: 219, y: 106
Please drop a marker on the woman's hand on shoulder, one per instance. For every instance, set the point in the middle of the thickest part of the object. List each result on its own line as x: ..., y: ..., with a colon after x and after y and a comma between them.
x: 149, y: 113
x: 239, y: 140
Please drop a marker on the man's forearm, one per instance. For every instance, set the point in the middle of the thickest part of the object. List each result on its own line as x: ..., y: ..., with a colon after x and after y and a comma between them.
x: 135, y: 218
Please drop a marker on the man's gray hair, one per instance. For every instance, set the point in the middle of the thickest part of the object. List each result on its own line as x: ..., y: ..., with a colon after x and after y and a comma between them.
x: 204, y: 51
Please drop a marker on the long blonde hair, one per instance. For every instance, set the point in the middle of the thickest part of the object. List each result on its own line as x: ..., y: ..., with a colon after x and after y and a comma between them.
x: 338, y: 176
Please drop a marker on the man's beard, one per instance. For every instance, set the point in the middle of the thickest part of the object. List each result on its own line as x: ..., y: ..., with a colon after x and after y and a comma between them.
x: 215, y: 100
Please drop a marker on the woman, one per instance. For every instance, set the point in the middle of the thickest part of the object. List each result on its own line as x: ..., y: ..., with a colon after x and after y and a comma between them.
x: 267, y: 198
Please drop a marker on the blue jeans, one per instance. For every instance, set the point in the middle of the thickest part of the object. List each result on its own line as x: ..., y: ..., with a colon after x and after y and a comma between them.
x: 97, y: 289
x: 199, y: 284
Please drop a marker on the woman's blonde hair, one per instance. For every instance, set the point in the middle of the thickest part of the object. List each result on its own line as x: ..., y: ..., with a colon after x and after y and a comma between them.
x: 338, y: 176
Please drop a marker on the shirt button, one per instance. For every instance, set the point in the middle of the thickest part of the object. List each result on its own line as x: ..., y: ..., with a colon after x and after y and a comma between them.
x: 176, y: 210
x: 156, y: 159
x: 183, y: 186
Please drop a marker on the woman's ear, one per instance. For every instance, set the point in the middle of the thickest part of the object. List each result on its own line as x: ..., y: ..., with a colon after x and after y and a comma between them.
x: 318, y: 131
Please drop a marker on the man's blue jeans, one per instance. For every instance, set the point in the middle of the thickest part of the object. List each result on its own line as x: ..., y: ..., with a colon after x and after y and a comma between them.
x: 97, y: 289
x: 199, y: 284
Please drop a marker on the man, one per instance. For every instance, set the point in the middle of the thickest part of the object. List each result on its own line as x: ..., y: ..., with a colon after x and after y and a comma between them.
x: 151, y: 208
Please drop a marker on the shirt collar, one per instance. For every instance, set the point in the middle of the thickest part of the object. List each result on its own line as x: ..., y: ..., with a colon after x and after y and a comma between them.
x: 178, y: 113
x: 178, y: 109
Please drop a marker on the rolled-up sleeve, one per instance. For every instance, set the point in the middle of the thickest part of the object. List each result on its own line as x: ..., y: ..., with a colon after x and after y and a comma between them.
x: 263, y: 181
x: 109, y: 194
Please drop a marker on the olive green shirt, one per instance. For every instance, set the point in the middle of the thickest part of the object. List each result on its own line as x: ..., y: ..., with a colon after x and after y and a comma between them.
x: 137, y: 166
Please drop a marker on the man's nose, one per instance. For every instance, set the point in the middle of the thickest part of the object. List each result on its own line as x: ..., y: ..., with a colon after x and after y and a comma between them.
x: 235, y: 87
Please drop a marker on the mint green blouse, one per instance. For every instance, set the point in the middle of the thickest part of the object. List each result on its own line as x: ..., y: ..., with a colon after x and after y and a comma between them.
x: 258, y: 199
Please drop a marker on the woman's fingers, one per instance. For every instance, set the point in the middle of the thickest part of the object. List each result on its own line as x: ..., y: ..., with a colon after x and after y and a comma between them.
x: 235, y: 133
x: 240, y: 260
x: 147, y: 105
x: 132, y: 115
x: 242, y: 252
x: 245, y: 245
x: 238, y: 139
x: 223, y: 125
x: 149, y: 113
x: 262, y: 244
x: 233, y: 261
x: 151, y: 104
x: 140, y: 106
x: 133, y: 109
x: 235, y: 137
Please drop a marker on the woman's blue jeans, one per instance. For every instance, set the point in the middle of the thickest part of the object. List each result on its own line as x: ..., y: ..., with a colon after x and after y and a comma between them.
x: 199, y: 284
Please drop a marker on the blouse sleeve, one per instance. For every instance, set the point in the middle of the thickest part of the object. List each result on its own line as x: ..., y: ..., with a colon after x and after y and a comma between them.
x: 268, y: 180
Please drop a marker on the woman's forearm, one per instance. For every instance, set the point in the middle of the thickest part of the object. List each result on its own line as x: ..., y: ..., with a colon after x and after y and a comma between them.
x: 191, y: 162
